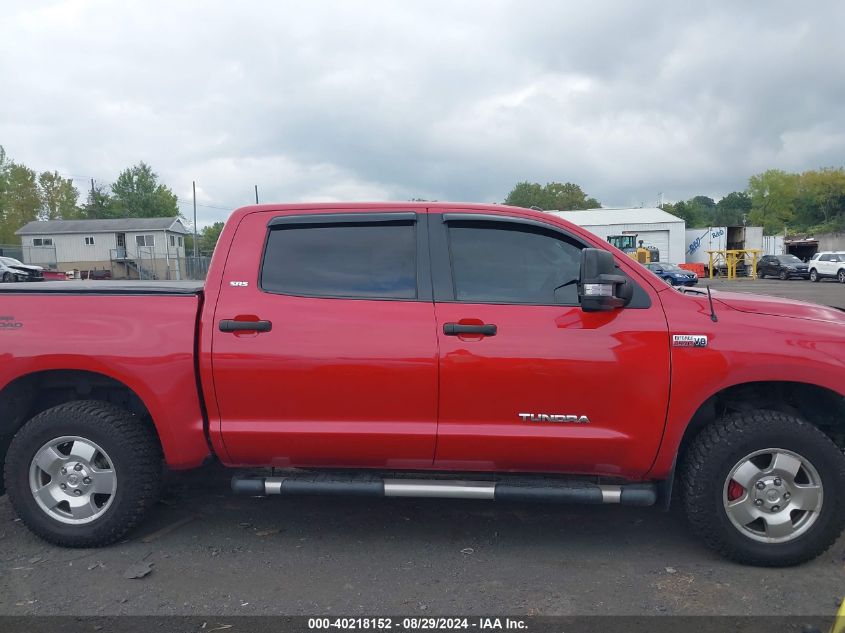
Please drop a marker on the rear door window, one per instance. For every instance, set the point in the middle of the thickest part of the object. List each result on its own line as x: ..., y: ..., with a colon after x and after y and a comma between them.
x: 355, y: 260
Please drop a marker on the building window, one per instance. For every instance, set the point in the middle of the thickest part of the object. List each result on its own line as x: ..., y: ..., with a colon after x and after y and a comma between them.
x: 89, y: 240
x: 180, y: 241
x: 42, y: 241
x: 173, y: 240
x: 145, y: 240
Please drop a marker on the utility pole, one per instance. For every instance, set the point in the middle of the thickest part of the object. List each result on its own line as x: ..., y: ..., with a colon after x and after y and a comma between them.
x: 256, y: 194
x: 194, y: 185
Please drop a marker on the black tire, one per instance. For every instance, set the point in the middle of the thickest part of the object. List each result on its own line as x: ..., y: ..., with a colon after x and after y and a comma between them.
x: 841, y: 275
x: 720, y: 446
x: 7, y: 278
x: 814, y: 275
x: 132, y: 448
x: 761, y: 275
x: 783, y: 276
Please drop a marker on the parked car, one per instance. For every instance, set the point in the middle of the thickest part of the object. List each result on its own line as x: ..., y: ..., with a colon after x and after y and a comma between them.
x: 673, y: 274
x: 13, y: 270
x: 426, y: 350
x: 782, y: 267
x: 828, y: 264
x: 97, y: 274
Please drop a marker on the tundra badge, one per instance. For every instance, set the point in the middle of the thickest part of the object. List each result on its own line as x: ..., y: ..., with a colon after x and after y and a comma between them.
x: 554, y: 417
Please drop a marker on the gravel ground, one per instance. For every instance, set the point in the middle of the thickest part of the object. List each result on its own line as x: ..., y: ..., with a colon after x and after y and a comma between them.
x: 826, y: 292
x: 209, y: 552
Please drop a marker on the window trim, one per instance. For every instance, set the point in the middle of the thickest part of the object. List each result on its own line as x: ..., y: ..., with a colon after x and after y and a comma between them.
x: 45, y: 241
x: 421, y: 255
x: 441, y: 258
x: 145, y: 245
x: 89, y: 237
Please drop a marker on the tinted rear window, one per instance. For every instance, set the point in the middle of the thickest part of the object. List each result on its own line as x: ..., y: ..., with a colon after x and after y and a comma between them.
x: 356, y: 260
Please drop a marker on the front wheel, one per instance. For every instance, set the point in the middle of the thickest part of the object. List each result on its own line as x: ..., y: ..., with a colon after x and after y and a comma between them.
x: 783, y: 276
x: 765, y: 488
x: 8, y: 278
x: 814, y: 276
x: 84, y: 473
x: 841, y: 276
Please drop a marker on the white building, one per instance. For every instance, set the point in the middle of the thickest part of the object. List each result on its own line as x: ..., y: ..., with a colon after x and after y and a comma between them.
x: 130, y: 248
x: 654, y: 227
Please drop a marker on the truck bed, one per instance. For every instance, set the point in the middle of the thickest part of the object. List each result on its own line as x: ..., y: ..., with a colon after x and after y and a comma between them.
x: 127, y: 287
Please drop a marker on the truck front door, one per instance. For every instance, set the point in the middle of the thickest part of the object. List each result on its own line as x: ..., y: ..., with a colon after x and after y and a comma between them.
x: 324, y: 345
x: 529, y: 381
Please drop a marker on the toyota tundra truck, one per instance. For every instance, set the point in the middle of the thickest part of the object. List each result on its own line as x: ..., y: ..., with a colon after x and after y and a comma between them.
x: 426, y: 350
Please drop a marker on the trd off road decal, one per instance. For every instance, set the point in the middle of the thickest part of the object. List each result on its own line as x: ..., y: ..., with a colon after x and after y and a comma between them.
x: 689, y: 340
x: 8, y: 323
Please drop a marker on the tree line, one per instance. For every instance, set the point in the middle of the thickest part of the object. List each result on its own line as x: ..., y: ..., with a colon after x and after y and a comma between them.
x: 136, y: 193
x: 809, y: 202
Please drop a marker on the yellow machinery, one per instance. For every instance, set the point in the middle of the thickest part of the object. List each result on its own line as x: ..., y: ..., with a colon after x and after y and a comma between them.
x: 730, y: 259
x: 628, y: 244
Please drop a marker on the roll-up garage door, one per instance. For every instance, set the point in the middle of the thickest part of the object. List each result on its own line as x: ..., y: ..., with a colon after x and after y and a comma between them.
x: 660, y: 239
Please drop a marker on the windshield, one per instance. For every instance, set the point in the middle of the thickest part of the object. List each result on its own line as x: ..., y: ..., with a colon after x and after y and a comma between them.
x: 672, y: 267
x: 789, y: 259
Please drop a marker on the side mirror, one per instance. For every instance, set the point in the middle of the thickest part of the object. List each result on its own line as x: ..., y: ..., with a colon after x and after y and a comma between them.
x: 599, y: 287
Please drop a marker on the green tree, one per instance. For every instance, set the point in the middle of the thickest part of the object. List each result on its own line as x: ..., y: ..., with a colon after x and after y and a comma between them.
x: 58, y: 197
x: 138, y: 194
x: 685, y: 211
x: 774, y: 195
x: 21, y: 202
x: 4, y: 184
x: 208, y: 237
x: 732, y: 209
x: 552, y: 196
x: 703, y: 209
x: 99, y: 204
x: 822, y: 196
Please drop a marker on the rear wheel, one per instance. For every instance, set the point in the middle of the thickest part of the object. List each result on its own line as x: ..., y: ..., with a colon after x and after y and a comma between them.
x: 841, y: 276
x: 84, y: 473
x: 765, y: 488
x: 814, y: 276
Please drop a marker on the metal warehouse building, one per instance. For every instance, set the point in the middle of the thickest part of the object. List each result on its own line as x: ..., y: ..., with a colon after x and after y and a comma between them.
x: 653, y: 226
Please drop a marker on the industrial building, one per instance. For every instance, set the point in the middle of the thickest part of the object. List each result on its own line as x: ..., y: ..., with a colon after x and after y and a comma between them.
x: 654, y: 227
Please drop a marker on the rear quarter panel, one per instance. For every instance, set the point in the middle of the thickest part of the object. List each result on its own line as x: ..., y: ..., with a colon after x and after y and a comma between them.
x: 145, y: 342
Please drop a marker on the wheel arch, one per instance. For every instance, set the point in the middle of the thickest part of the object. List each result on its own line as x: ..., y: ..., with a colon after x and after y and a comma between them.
x: 30, y: 394
x: 818, y: 405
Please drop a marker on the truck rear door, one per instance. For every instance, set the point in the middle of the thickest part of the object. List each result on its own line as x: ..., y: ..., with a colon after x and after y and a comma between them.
x: 528, y: 381
x: 324, y: 344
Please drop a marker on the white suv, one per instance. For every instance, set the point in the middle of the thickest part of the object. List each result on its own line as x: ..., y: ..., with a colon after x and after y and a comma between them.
x: 828, y: 264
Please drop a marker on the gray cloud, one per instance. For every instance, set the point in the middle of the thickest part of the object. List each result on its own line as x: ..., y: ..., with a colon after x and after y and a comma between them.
x: 331, y: 100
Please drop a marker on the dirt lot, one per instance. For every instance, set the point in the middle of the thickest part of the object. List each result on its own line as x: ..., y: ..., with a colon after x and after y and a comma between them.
x: 212, y: 553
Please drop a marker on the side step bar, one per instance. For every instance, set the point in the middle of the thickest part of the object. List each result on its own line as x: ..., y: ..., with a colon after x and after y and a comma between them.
x: 523, y: 489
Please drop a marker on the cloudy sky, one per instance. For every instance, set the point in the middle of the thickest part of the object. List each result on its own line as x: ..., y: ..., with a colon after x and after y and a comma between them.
x: 455, y: 100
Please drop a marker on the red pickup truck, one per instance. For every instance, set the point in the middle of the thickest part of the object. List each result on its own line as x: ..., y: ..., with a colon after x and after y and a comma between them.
x: 429, y: 350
